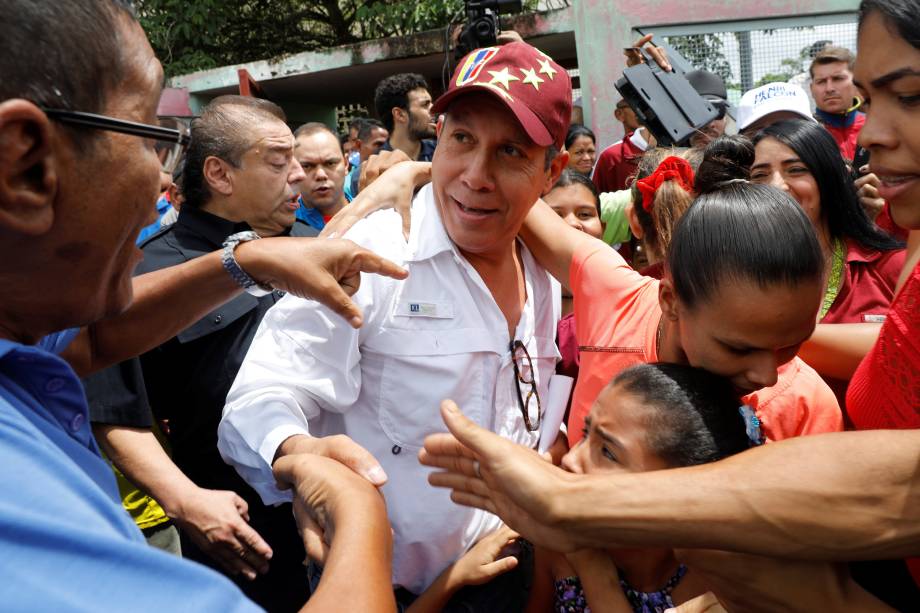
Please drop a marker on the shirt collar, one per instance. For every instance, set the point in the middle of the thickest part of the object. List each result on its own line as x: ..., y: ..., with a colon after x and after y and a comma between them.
x: 840, y: 120
x: 638, y: 140
x: 427, y: 235
x: 858, y: 253
x: 211, y: 227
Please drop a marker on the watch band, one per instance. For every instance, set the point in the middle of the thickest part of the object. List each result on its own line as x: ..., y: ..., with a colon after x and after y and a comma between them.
x: 228, y: 259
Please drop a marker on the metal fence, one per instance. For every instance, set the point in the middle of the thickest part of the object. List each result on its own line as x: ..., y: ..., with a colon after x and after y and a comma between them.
x: 751, y: 53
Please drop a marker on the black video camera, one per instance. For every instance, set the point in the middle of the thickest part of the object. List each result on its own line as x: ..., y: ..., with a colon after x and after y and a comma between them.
x: 482, y: 24
x: 665, y: 102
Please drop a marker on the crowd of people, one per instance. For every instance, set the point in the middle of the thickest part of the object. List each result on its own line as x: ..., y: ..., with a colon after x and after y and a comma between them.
x: 461, y: 358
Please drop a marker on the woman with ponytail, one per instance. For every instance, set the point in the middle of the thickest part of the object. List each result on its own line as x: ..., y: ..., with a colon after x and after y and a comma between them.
x: 742, y: 285
x: 661, y: 194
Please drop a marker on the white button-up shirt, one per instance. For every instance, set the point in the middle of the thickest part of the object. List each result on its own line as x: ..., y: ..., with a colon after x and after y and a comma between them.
x: 439, y: 334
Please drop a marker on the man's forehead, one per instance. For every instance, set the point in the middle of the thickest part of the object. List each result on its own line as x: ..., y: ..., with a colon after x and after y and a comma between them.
x: 419, y: 93
x: 831, y: 68
x: 316, y: 147
x: 277, y: 136
x: 482, y: 108
x: 270, y: 137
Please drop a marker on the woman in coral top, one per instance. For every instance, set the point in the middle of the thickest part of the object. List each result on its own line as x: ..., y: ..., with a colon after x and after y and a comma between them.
x: 743, y: 282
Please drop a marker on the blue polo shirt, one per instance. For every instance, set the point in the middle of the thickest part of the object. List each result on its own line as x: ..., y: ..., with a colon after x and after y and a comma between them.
x: 309, y: 215
x: 163, y: 206
x: 65, y: 541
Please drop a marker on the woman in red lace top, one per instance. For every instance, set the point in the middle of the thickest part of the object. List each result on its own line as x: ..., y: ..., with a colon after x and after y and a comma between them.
x: 884, y: 393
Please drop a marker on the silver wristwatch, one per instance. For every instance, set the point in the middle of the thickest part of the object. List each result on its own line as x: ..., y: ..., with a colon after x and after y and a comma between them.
x: 233, y: 268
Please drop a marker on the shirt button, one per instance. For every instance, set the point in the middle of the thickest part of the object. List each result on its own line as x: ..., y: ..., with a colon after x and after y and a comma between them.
x: 77, y: 422
x: 54, y: 385
x: 396, y: 449
x: 218, y: 319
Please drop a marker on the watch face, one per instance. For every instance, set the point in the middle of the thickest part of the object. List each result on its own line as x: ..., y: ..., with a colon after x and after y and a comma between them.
x: 233, y: 268
x: 242, y: 237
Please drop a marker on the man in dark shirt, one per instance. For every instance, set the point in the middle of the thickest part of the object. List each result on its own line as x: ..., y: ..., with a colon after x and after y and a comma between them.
x: 404, y: 106
x: 240, y: 175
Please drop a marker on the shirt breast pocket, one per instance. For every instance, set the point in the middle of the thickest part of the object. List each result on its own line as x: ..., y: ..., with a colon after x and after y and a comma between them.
x: 423, y: 367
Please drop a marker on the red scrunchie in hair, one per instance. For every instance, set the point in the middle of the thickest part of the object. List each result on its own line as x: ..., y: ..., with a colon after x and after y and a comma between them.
x: 671, y: 168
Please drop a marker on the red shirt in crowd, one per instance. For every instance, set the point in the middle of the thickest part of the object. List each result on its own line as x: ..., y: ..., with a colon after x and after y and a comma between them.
x: 844, y: 128
x: 865, y: 294
x: 885, y: 390
x: 616, y: 164
x: 616, y: 319
x: 886, y: 223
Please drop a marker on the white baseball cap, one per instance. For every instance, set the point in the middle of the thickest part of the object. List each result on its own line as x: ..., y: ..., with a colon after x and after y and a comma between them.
x: 772, y: 98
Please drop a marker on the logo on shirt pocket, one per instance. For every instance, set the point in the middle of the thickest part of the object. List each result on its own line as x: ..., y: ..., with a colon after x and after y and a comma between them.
x: 418, y: 308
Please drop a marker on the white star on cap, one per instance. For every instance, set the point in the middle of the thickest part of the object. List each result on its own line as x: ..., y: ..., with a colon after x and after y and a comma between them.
x: 546, y: 69
x: 530, y: 76
x: 503, y: 77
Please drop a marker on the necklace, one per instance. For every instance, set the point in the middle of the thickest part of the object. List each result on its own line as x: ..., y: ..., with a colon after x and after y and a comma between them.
x: 835, y: 279
x: 653, y: 602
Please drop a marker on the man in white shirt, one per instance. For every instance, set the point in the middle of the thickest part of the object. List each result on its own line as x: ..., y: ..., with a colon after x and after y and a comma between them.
x: 475, y: 321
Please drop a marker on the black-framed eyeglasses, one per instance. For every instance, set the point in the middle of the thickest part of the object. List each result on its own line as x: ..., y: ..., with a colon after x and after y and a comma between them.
x: 171, y: 142
x: 524, y: 373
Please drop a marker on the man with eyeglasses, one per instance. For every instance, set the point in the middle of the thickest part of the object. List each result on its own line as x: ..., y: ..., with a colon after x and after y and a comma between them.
x: 78, y: 175
x: 242, y: 175
x: 475, y: 321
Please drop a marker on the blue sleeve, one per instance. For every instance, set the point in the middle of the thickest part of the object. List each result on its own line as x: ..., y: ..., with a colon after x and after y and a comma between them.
x: 65, y: 545
x: 57, y: 342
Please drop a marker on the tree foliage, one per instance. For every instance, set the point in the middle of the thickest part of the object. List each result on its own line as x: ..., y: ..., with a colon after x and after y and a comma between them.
x: 704, y: 52
x: 191, y: 35
x: 791, y: 66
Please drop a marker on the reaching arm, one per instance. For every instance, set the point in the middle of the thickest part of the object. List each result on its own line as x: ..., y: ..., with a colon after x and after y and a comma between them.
x: 169, y: 300
x: 479, y: 565
x: 391, y: 190
x: 215, y: 520
x: 352, y: 516
x: 600, y: 581
x: 839, y: 496
x: 835, y: 350
x: 552, y: 241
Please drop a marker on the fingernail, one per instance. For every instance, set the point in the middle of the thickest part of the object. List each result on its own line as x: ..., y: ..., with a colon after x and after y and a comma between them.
x: 249, y: 574
x: 376, y: 475
x: 356, y: 321
x: 450, y: 407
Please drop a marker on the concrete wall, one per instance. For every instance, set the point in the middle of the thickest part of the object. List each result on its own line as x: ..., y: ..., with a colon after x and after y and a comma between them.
x: 309, y: 85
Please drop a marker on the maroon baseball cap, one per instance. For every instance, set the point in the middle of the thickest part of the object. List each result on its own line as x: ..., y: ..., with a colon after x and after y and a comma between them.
x: 533, y: 87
